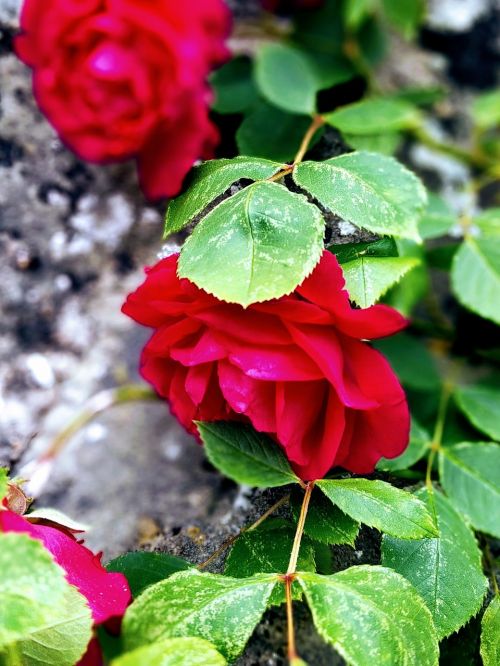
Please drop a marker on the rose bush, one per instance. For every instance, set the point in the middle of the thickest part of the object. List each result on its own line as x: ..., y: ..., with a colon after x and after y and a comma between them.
x: 296, y: 367
x: 121, y: 78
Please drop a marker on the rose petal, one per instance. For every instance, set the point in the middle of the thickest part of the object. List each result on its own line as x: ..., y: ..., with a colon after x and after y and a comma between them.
x: 108, y: 594
x: 325, y: 348
x: 206, y: 348
x: 275, y: 363
x: 323, y: 442
x: 248, y: 396
x: 197, y: 381
x: 325, y: 287
x: 372, y: 439
x: 244, y: 325
x: 172, y: 148
x: 299, y: 408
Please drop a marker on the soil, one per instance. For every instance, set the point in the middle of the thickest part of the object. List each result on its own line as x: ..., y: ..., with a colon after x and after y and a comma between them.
x: 74, y: 239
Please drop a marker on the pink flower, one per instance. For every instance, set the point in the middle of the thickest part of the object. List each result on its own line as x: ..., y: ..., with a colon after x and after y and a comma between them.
x: 107, y: 594
x: 297, y: 367
x: 121, y: 78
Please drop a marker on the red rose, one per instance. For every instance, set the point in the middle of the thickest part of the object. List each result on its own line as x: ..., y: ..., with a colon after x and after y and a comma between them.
x: 118, y: 78
x: 107, y: 594
x: 296, y: 367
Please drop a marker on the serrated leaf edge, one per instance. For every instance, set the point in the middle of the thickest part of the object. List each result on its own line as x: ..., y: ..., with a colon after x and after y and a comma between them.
x: 392, y: 509
x: 308, y: 267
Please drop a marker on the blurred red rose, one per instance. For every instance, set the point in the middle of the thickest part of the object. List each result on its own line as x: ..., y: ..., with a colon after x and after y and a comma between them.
x: 107, y: 594
x: 121, y: 78
x: 296, y: 367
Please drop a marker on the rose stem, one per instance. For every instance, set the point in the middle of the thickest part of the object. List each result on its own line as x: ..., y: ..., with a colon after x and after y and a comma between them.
x: 292, y: 566
x: 438, y: 432
x: 316, y: 123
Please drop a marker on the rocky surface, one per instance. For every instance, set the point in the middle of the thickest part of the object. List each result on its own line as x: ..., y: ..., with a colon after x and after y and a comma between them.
x: 74, y: 239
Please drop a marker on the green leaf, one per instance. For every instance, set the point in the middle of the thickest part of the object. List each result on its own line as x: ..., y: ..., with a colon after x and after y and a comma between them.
x: 55, y: 516
x: 475, y: 276
x: 480, y: 405
x: 272, y: 133
x: 209, y: 181
x: 470, y: 475
x: 143, y: 569
x: 373, y: 41
x: 419, y: 444
x: 323, y: 556
x: 324, y: 522
x: 286, y: 78
x: 486, y: 109
x: 330, y: 69
x: 371, y: 615
x: 43, y: 619
x: 372, y: 191
x: 222, y: 610
x: 245, y: 455
x: 356, y: 11
x: 31, y: 583
x: 438, y: 218
x: 446, y: 570
x: 405, y: 16
x: 173, y: 652
x: 383, y: 247
x: 420, y: 96
x: 456, y: 428
x: 267, y: 550
x: 380, y: 505
x: 411, y: 361
x: 405, y: 295
x: 3, y: 482
x: 257, y: 245
x: 61, y: 640
x: 372, y: 116
x: 385, y: 143
x: 234, y: 87
x: 369, y: 278
x: 488, y: 222
x: 490, y: 634
x: 321, y: 30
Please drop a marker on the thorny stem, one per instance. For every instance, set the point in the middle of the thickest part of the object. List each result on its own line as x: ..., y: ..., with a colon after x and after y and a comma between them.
x: 289, y: 577
x: 253, y: 526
